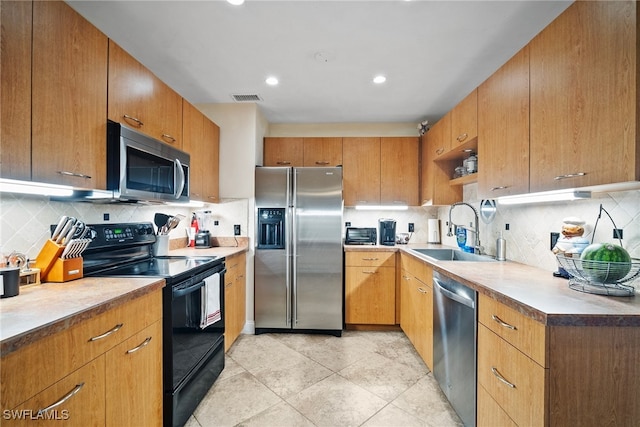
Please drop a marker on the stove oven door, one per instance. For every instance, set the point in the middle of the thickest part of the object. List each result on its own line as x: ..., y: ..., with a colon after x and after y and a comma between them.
x: 193, y: 354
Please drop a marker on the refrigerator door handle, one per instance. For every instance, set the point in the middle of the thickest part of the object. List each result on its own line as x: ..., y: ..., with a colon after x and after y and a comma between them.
x: 294, y: 245
x: 288, y: 251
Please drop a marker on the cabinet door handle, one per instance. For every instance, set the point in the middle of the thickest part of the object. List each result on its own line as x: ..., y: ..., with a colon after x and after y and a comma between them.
x: 502, y: 187
x: 144, y: 344
x: 77, y: 175
x: 503, y: 323
x: 133, y: 119
x: 106, y: 334
x: 407, y: 278
x: 439, y: 151
x: 68, y: 396
x: 322, y: 163
x: 570, y: 175
x: 501, y: 378
x: 422, y: 290
x: 370, y: 259
x: 462, y: 137
x: 369, y: 272
x: 168, y: 137
x: 283, y: 163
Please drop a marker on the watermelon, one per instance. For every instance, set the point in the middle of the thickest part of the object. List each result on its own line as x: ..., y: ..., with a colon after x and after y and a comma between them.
x: 612, y: 262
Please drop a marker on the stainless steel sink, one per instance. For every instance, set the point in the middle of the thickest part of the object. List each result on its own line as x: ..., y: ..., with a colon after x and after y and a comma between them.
x: 452, y: 255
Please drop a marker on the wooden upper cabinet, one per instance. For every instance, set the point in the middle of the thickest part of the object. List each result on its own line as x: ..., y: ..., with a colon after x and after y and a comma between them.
x: 399, y: 177
x: 283, y: 152
x: 464, y: 120
x: 212, y: 180
x: 503, y: 129
x: 15, y: 114
x: 69, y: 93
x: 138, y: 99
x: 361, y: 171
x: 584, y: 97
x: 200, y: 138
x: 322, y: 152
x: 435, y: 176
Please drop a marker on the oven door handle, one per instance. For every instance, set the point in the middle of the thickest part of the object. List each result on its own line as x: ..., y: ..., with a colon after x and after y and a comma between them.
x: 177, y: 293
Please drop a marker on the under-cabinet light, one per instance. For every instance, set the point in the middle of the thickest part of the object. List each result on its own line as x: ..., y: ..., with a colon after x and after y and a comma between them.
x: 38, y: 188
x: 382, y: 207
x: 189, y: 204
x: 548, y: 196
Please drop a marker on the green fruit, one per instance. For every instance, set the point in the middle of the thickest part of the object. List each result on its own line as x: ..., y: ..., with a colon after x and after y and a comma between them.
x: 612, y: 262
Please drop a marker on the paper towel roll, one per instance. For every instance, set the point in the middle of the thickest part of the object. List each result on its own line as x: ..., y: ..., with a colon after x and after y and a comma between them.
x: 433, y: 231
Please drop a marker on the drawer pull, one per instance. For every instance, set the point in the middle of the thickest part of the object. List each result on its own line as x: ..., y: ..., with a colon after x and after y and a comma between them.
x: 74, y: 174
x: 133, y: 119
x: 106, y: 334
x: 570, y: 175
x: 369, y: 272
x: 422, y: 290
x: 168, y: 137
x: 69, y: 395
x: 144, y: 344
x: 503, y: 323
x: 370, y: 259
x: 501, y: 378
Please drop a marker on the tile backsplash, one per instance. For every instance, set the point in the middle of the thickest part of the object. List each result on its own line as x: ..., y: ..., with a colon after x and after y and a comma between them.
x: 528, y: 238
x: 25, y: 220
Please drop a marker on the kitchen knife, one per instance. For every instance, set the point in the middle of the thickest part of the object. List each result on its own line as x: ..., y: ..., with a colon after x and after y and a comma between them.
x: 64, y: 231
x: 70, y: 234
x: 61, y: 223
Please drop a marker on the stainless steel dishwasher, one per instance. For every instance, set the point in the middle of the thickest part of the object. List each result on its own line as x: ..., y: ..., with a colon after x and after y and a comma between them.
x: 454, y: 344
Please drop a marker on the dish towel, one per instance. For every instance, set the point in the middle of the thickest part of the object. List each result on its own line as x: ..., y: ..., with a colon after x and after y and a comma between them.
x: 210, y: 301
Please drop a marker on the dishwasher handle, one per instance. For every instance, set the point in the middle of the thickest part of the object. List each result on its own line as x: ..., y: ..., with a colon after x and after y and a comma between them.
x: 451, y: 294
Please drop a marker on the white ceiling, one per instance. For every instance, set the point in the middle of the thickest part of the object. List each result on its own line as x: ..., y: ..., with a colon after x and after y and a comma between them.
x: 432, y: 52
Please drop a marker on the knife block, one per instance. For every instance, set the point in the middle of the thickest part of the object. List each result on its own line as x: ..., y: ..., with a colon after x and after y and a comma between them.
x: 64, y: 270
x: 48, y: 255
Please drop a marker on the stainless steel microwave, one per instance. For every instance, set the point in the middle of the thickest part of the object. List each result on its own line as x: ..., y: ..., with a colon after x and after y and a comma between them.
x: 140, y: 168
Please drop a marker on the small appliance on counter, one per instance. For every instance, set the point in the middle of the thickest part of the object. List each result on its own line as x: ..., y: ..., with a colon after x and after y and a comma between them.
x: 361, y: 236
x: 387, y: 232
x: 203, y: 239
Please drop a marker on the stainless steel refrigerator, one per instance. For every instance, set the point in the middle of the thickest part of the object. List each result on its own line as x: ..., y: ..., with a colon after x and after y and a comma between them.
x: 298, y: 253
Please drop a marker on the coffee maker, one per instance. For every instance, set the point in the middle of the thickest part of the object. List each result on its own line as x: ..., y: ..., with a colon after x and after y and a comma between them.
x: 387, y: 231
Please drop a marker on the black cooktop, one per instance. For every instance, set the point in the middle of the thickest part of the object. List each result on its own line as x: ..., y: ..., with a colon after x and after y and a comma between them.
x: 160, y: 267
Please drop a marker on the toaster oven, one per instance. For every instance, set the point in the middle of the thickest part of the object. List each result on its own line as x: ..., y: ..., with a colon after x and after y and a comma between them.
x: 361, y: 236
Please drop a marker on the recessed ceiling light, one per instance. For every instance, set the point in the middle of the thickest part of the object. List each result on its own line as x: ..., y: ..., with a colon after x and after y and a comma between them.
x: 271, y: 81
x: 235, y: 2
x: 379, y: 79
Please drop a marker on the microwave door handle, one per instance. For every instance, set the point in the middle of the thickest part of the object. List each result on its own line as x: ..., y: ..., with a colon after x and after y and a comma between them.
x: 181, y: 180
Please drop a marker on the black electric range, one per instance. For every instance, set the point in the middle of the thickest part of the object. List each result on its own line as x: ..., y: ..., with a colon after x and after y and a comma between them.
x: 193, y: 350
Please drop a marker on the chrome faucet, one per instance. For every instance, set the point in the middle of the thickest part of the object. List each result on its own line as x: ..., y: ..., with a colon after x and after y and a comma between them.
x: 477, y: 248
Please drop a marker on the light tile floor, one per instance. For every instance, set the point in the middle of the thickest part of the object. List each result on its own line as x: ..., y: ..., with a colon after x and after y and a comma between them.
x: 360, y: 379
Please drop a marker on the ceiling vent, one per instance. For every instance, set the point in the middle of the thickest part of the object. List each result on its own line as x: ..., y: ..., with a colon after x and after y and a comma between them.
x: 246, y: 98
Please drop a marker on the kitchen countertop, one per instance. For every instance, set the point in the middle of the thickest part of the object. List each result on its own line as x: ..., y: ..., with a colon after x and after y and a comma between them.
x: 41, y: 310
x: 532, y: 291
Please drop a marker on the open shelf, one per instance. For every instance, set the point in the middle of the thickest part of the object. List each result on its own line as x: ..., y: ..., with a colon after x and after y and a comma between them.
x: 467, y: 179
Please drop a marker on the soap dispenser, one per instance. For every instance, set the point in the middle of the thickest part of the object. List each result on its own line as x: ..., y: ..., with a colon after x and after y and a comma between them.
x: 501, y: 248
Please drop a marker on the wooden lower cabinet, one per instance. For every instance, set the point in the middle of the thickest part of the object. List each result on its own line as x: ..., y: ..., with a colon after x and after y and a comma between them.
x: 490, y: 413
x: 134, y: 379
x: 80, y: 399
x: 119, y: 388
x: 235, y: 297
x: 370, y: 288
x: 416, y: 296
